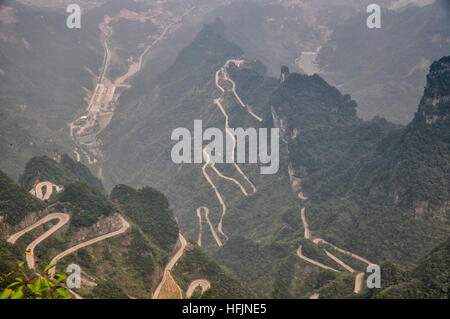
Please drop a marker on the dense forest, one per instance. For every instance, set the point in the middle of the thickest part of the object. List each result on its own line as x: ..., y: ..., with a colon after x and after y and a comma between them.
x: 128, y: 266
x: 15, y: 202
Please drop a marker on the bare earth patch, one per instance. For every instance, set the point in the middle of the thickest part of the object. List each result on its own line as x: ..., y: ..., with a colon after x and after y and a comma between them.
x: 170, y: 289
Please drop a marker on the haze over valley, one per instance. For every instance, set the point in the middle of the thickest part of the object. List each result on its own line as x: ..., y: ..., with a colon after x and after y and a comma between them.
x: 361, y: 118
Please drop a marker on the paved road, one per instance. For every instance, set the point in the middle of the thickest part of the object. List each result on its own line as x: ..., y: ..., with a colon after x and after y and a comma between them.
x: 359, y: 276
x: 358, y: 282
x: 62, y: 220
x: 299, y: 254
x: 78, y: 155
x: 204, y: 284
x: 213, y: 166
x: 213, y: 232
x: 222, y: 71
x: 307, y: 234
x: 60, y: 216
x: 245, y: 177
x: 340, y: 262
x: 302, y: 196
x: 199, y: 215
x: 125, y: 226
x: 218, y: 195
x: 217, y: 81
x: 37, y: 190
x: 171, y: 263
x: 218, y: 102
x: 233, y: 87
x: 320, y: 240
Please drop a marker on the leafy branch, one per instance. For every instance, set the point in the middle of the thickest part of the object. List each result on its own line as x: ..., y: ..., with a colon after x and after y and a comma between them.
x: 35, y: 286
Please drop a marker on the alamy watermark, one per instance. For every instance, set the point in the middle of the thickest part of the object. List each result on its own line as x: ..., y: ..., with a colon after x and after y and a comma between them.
x: 241, y: 146
x: 374, y: 20
x: 74, y: 19
x: 74, y: 279
x: 374, y: 279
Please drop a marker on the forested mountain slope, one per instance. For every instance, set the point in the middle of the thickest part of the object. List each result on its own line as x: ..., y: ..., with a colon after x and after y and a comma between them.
x: 386, y: 191
x: 121, y: 244
x: 346, y: 167
x: 426, y: 278
x: 347, y: 190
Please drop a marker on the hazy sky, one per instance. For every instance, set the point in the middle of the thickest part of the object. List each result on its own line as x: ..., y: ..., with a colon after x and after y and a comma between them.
x: 401, y: 3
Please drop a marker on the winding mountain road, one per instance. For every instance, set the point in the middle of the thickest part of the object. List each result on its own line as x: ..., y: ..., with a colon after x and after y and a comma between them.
x: 213, y: 166
x: 199, y: 215
x: 300, y: 254
x: 62, y: 220
x: 218, y: 195
x: 213, y: 232
x: 204, y: 284
x: 218, y: 101
x: 171, y: 264
x: 358, y: 282
x: 103, y: 101
x: 123, y: 229
x: 211, y: 227
x: 217, y: 81
x: 37, y: 190
x: 340, y: 262
x: 77, y: 155
x: 302, y: 196
x: 320, y: 240
x: 307, y: 235
x: 233, y: 87
x: 245, y: 177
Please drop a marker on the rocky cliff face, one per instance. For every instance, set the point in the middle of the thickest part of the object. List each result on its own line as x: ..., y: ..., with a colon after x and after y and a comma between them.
x: 426, y: 142
x: 105, y: 225
x: 435, y: 103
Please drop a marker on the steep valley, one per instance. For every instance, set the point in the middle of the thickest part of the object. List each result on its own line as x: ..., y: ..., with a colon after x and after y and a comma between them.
x: 87, y: 169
